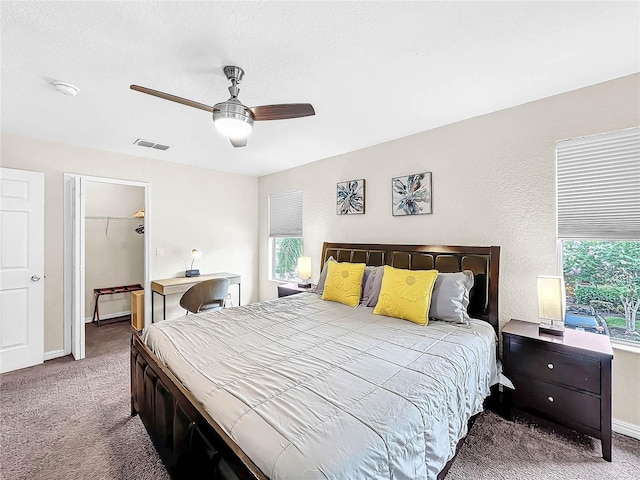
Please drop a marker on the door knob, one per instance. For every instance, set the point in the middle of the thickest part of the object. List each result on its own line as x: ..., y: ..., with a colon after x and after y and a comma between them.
x: 35, y: 278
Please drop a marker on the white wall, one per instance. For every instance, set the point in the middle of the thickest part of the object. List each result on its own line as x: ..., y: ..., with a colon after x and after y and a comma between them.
x: 189, y: 208
x: 114, y: 251
x: 493, y: 184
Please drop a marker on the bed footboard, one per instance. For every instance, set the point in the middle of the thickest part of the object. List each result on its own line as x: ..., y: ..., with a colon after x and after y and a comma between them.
x: 187, y: 439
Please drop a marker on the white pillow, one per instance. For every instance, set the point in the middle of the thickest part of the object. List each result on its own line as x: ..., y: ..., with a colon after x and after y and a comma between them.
x: 450, y: 297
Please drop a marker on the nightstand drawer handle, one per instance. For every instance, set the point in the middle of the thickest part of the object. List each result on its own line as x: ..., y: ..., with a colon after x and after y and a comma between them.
x: 550, y: 366
x: 550, y: 399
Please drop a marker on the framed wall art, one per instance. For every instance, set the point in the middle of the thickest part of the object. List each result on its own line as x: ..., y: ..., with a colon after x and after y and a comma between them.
x: 350, y: 197
x: 411, y: 194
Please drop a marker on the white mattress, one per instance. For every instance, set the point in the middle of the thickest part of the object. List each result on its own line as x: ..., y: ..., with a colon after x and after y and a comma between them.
x: 316, y: 389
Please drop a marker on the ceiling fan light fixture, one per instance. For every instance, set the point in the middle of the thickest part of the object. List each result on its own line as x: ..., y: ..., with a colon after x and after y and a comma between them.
x: 232, y: 119
x: 233, y: 127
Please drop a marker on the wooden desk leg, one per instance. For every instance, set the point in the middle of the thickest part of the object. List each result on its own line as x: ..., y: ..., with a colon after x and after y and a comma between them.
x: 152, y: 292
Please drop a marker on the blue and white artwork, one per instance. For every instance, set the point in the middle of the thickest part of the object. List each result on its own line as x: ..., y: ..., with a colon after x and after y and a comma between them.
x: 350, y: 197
x: 411, y: 194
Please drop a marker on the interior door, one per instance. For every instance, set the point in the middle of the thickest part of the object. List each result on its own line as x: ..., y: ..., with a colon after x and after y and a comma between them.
x: 21, y: 269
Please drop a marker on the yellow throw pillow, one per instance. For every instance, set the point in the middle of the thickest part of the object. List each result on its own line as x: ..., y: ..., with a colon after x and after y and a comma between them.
x: 344, y: 283
x: 406, y: 294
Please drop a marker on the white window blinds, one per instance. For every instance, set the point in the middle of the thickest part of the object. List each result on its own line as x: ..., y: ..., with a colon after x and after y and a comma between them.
x: 285, y: 214
x: 599, y: 186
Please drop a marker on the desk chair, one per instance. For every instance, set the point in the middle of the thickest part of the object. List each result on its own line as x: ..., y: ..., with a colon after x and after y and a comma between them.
x: 206, y: 296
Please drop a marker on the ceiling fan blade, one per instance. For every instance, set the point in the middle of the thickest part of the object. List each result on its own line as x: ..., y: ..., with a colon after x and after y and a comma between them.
x: 173, y: 98
x: 238, y: 142
x: 282, y: 111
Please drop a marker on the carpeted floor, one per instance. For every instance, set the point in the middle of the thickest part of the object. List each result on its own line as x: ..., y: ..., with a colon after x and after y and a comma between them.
x: 71, y: 420
x: 500, y: 449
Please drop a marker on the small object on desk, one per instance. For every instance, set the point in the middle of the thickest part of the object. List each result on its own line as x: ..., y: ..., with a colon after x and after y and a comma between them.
x: 286, y: 289
x: 195, y: 253
x: 564, y: 379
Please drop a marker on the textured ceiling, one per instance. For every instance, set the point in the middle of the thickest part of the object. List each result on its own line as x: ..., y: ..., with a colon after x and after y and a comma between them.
x: 374, y: 71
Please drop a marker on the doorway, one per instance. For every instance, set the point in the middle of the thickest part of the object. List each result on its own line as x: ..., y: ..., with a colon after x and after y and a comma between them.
x: 106, y: 255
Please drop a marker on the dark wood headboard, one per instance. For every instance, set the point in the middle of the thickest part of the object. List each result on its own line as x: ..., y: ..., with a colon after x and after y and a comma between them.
x: 484, y: 262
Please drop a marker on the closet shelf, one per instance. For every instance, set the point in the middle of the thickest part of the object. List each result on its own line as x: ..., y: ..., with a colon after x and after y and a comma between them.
x: 132, y: 219
x: 138, y: 230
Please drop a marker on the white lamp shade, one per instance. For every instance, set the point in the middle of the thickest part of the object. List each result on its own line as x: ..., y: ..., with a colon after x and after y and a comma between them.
x: 195, y: 253
x: 551, y: 298
x: 304, y: 267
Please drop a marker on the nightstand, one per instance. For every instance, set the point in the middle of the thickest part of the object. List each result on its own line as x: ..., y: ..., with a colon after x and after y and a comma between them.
x: 564, y: 379
x: 286, y: 289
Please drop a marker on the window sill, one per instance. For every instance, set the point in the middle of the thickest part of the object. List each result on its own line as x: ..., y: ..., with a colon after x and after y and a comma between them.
x: 626, y: 346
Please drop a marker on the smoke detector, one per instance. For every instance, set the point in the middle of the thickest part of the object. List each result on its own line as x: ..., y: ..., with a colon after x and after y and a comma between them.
x: 66, y: 88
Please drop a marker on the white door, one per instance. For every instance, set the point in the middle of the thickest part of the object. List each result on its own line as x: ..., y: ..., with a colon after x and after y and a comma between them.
x: 21, y: 269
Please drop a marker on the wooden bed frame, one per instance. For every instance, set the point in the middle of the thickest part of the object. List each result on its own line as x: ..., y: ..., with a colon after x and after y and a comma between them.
x: 188, y: 439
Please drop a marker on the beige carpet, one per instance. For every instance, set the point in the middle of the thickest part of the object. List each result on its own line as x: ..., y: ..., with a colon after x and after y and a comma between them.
x: 71, y: 420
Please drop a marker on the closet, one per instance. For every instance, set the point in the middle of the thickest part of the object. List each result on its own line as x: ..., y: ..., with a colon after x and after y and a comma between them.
x: 114, y: 250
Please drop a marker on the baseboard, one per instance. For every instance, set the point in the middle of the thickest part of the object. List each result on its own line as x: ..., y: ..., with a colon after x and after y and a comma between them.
x: 625, y: 428
x: 108, y: 316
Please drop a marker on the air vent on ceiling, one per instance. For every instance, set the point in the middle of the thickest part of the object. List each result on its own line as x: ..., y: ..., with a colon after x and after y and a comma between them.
x: 145, y: 143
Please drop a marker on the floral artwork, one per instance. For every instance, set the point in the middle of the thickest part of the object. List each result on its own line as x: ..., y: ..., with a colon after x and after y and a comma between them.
x: 350, y: 197
x: 411, y: 194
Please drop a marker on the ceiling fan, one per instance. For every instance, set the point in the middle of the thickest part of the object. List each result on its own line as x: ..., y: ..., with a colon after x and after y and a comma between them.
x: 232, y: 118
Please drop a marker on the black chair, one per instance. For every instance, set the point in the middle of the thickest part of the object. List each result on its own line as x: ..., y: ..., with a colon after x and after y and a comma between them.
x: 206, y: 296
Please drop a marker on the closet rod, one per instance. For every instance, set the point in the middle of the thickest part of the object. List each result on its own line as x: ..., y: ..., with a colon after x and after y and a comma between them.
x: 133, y: 219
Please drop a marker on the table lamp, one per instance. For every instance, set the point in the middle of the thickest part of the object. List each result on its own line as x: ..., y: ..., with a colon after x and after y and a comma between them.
x: 304, y: 271
x: 195, y: 253
x: 551, y: 305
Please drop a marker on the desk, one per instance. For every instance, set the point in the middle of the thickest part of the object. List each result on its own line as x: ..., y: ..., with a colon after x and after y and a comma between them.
x: 170, y: 286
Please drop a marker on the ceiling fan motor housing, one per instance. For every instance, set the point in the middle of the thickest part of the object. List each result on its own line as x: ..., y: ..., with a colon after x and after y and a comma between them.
x: 232, y: 118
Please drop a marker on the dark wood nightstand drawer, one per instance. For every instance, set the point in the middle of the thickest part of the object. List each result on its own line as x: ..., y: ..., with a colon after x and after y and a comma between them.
x: 550, y: 366
x: 558, y: 403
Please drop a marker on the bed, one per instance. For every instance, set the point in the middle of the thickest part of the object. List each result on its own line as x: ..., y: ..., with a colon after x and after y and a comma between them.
x: 301, y: 387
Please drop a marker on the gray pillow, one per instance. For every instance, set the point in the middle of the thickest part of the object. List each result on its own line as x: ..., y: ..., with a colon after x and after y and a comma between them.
x: 450, y: 297
x: 323, y: 276
x: 371, y: 287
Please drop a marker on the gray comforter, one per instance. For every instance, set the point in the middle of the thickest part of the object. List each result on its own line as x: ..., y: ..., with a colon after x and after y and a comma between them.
x: 316, y: 389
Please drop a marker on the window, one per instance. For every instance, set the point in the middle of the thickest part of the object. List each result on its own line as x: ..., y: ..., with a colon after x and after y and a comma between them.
x: 285, y: 234
x: 598, y: 189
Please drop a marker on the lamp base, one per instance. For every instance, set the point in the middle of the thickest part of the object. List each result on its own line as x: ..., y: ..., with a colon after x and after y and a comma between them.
x: 550, y: 329
x: 192, y: 273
